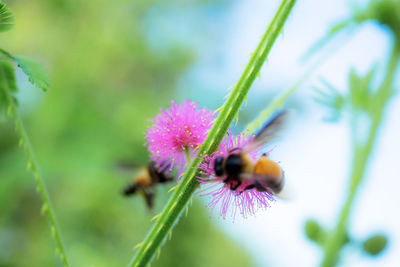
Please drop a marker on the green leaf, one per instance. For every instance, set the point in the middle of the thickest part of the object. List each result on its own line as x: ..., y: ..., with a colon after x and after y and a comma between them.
x: 6, y: 18
x: 314, y: 231
x: 331, y: 98
x: 35, y: 72
x: 361, y: 95
x: 5, y: 55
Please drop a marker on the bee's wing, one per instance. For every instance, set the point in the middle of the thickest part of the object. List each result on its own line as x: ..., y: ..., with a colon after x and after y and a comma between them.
x: 131, y: 166
x: 124, y: 165
x: 264, y: 182
x: 269, y: 131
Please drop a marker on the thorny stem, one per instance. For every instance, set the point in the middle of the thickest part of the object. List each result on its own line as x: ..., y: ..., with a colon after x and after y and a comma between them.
x: 179, y: 200
x: 361, y: 154
x: 33, y: 166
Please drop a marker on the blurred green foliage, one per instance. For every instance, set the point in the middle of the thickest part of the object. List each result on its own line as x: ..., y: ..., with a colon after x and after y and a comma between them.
x: 314, y: 231
x: 6, y: 18
x: 375, y: 244
x: 365, y: 103
x: 106, y: 80
x: 385, y: 12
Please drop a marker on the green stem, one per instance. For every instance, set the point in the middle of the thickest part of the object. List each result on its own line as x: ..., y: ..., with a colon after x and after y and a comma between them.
x: 187, y: 153
x: 179, y: 200
x: 33, y: 166
x: 361, y: 154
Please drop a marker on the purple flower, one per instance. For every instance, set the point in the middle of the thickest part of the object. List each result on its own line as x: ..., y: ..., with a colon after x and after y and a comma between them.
x: 175, y: 130
x: 230, y: 202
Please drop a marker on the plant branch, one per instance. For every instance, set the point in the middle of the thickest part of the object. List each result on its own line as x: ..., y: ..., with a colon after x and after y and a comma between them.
x: 361, y: 155
x: 187, y: 154
x: 33, y: 166
x: 189, y: 183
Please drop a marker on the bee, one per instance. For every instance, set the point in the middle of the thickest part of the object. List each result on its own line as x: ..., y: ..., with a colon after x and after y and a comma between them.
x: 264, y: 174
x: 146, y: 181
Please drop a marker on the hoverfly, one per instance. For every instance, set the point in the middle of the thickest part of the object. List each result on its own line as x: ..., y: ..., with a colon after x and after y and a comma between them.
x: 146, y: 181
x: 264, y: 174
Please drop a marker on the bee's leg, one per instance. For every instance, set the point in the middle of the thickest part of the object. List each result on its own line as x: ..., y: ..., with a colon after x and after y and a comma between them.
x: 259, y: 186
x: 149, y: 197
x: 234, y: 149
x: 234, y: 187
x: 249, y: 187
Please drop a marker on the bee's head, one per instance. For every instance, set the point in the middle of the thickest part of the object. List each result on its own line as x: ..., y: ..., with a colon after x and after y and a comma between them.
x: 234, y: 165
x: 219, y: 166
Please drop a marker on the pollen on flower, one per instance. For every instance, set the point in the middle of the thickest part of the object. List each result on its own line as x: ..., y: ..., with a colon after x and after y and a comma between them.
x: 176, y: 129
x: 230, y: 202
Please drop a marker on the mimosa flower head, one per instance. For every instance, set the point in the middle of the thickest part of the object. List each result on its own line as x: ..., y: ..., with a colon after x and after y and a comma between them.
x: 178, y: 130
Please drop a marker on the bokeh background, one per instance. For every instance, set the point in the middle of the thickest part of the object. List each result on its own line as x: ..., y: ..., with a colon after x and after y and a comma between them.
x: 113, y: 64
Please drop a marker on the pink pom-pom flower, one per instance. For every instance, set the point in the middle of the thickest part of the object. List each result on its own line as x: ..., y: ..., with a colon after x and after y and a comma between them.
x: 230, y: 202
x: 175, y: 130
